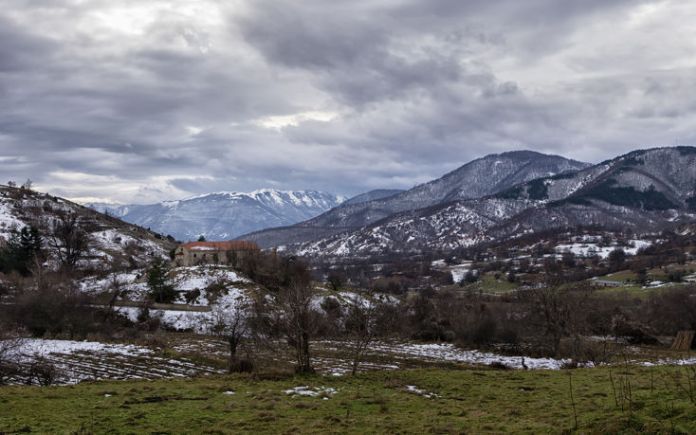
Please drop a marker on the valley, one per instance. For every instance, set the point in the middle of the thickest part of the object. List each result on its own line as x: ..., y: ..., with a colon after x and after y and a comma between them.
x: 397, y: 301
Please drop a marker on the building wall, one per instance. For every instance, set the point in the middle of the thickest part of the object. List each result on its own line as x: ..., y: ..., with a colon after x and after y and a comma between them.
x: 188, y: 257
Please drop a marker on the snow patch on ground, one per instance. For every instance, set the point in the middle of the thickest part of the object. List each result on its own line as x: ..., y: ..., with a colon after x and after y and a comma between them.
x: 438, y: 352
x: 415, y: 390
x: 35, y: 347
x: 448, y: 352
x: 8, y: 221
x: 306, y: 391
x: 131, y: 283
x: 200, y: 322
x: 77, y: 361
x: 670, y: 362
x: 591, y: 249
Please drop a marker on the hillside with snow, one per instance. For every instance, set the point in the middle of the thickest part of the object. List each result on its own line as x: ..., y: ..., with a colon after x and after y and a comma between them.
x: 110, y: 242
x: 225, y: 215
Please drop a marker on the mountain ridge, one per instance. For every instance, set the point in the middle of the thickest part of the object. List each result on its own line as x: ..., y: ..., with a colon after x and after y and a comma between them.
x: 644, y: 190
x: 225, y: 214
x: 477, y: 178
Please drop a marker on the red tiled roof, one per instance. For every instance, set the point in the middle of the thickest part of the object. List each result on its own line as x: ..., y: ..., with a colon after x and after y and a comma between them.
x: 229, y: 245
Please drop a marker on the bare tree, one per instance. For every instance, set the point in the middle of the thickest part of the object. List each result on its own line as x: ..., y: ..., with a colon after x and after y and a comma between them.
x: 297, y: 317
x: 562, y: 313
x: 554, y: 313
x: 361, y: 325
x: 232, y: 324
x: 116, y: 290
x: 68, y: 241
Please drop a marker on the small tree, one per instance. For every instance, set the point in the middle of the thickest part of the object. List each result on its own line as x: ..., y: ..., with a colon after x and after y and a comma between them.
x: 553, y: 312
x: 201, y: 238
x: 470, y: 277
x: 231, y: 323
x: 361, y: 325
x: 160, y: 289
x: 296, y: 316
x: 21, y: 251
x: 68, y: 241
x: 335, y: 281
x: 617, y: 257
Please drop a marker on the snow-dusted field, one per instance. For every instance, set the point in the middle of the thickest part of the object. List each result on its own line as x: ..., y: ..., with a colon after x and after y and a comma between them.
x: 447, y: 352
x: 77, y: 361
x: 585, y: 249
x: 458, y: 271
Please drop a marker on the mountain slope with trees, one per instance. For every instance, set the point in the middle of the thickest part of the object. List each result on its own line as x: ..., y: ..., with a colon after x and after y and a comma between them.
x: 485, y: 176
x: 645, y: 190
x: 39, y: 230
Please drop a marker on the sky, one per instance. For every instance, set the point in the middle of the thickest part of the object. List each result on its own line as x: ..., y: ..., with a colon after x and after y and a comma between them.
x: 137, y: 101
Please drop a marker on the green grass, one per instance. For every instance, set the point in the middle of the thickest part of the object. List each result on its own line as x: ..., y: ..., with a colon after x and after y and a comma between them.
x: 488, y: 284
x: 621, y: 276
x: 636, y: 290
x: 471, y: 401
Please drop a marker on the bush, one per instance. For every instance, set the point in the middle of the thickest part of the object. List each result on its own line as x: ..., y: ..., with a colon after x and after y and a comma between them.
x: 42, y: 372
x: 54, y: 312
x: 484, y: 331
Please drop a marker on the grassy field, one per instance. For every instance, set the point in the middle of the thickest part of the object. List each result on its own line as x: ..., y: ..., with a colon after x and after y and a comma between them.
x: 620, y: 400
x: 487, y: 283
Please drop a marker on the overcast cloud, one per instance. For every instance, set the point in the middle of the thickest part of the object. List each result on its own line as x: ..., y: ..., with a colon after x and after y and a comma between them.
x: 144, y: 100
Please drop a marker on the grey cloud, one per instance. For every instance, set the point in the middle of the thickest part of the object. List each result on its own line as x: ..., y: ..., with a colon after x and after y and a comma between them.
x: 157, y: 99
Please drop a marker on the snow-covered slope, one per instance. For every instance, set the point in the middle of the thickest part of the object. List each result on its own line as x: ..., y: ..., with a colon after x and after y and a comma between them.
x: 225, y: 215
x: 111, y: 242
x: 445, y: 227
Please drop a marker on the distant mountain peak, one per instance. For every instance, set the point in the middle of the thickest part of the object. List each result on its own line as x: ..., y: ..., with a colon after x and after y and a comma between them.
x: 224, y: 215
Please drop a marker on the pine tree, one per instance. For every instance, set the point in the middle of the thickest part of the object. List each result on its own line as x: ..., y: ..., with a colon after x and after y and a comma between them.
x: 160, y: 290
x: 21, y: 249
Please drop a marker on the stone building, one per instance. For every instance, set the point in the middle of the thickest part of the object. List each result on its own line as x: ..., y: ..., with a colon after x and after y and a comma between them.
x: 227, y: 253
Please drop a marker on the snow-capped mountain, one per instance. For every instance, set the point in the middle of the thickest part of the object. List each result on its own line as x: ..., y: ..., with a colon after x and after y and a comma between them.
x: 485, y: 176
x: 645, y: 190
x: 225, y: 215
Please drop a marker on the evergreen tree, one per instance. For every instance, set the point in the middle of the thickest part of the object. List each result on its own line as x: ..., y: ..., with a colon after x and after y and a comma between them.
x: 160, y: 290
x: 21, y: 249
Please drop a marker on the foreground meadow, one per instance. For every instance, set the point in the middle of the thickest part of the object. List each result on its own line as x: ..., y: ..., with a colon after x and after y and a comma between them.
x: 627, y: 399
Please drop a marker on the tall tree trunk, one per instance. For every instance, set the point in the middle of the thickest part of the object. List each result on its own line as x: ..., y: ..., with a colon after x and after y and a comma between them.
x: 233, y: 360
x: 304, y: 364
